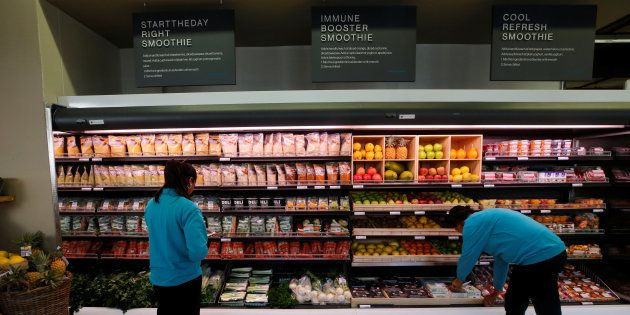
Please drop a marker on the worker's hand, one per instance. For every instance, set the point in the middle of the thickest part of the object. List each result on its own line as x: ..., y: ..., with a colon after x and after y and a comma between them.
x: 490, y: 299
x: 456, y: 284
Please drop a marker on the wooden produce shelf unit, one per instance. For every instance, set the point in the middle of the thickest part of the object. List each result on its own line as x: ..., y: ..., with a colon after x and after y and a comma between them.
x: 408, y: 260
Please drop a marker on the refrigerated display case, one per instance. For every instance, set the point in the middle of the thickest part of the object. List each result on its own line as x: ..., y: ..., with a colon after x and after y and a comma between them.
x: 361, y: 183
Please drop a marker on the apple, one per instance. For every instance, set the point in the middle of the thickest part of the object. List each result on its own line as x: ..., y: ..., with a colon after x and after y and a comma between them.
x: 431, y: 202
x: 358, y: 177
x: 432, y: 171
x: 421, y: 178
x: 441, y: 170
x: 422, y: 155
x: 367, y: 177
x: 428, y: 148
x: 439, y: 155
x: 399, y: 202
x: 360, y: 171
x: 371, y: 170
x: 429, y: 177
x: 423, y: 202
x: 431, y: 155
x: 424, y: 171
x: 415, y: 201
x: 437, y: 147
x: 377, y: 177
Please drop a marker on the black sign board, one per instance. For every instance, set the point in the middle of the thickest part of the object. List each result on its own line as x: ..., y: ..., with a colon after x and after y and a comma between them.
x: 369, y: 44
x: 184, y: 48
x: 542, y: 43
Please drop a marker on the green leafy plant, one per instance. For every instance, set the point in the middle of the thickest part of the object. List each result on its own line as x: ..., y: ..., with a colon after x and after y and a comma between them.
x: 123, y: 291
x: 280, y: 296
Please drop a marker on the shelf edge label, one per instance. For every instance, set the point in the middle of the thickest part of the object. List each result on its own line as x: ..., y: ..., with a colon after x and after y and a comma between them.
x: 419, y: 212
x: 394, y: 213
x: 545, y: 211
x: 419, y: 237
x: 598, y: 210
x: 453, y: 238
x: 577, y: 184
x: 456, y: 186
x: 488, y: 185
x: 359, y: 213
x: 272, y: 187
x: 357, y: 186
x: 360, y: 237
x: 526, y: 211
x: 302, y: 187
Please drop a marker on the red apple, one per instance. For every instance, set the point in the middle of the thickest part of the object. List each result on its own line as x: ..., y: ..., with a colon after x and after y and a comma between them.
x: 432, y: 171
x: 358, y: 177
x: 441, y: 170
x: 429, y: 177
x: 360, y: 171
x: 431, y: 202
x: 439, y: 202
x: 377, y: 177
x: 399, y: 202
x: 424, y: 171
x: 423, y: 202
x: 421, y: 178
x: 371, y: 170
x: 367, y: 177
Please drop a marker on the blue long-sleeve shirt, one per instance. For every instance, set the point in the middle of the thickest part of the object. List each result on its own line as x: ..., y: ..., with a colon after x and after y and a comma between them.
x: 509, y: 236
x: 177, y: 239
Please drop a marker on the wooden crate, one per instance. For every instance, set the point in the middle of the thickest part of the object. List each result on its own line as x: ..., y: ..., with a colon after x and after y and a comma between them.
x: 467, y: 142
x: 377, y: 163
x: 474, y: 166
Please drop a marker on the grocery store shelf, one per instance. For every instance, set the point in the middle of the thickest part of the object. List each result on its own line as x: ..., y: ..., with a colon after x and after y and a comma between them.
x: 621, y: 184
x: 578, y: 233
x: 413, y: 302
x: 106, y: 236
x: 584, y: 258
x: 7, y: 199
x: 555, y: 210
x: 534, y: 159
x: 317, y: 213
x: 201, y: 158
x: 407, y: 260
x: 418, y: 233
x: 292, y: 236
x: 399, y: 208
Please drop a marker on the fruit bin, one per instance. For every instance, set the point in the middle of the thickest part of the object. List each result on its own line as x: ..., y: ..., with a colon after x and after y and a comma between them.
x: 474, y: 168
x: 368, y: 144
x: 362, y: 168
x: 400, y: 172
x: 466, y: 147
x: 400, y: 148
x: 428, y: 170
x: 424, y: 141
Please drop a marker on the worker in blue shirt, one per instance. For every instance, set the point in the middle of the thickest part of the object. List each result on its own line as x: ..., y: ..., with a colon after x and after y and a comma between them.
x: 177, y: 242
x: 536, y: 254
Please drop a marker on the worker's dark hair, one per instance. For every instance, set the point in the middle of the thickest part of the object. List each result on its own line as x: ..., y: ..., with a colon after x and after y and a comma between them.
x: 458, y: 214
x: 176, y: 175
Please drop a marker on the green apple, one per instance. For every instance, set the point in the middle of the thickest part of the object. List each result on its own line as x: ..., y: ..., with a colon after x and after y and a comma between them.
x: 439, y: 155
x: 421, y: 149
x: 431, y: 155
x: 422, y: 155
x: 437, y: 147
x: 428, y: 148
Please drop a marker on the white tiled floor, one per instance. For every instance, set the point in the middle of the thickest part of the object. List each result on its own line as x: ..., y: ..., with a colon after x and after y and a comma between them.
x: 566, y: 310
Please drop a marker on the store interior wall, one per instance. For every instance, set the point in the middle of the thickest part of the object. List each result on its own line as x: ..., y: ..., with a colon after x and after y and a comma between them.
x: 44, y: 54
x: 438, y: 66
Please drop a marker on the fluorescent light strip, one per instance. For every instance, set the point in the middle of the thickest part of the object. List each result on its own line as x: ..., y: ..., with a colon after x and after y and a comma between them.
x: 353, y: 127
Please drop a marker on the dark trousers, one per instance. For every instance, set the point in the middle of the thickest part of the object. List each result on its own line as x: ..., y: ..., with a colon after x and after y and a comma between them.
x: 538, y: 282
x: 183, y: 299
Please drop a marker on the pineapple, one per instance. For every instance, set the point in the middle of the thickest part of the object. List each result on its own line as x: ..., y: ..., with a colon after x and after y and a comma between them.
x: 40, y: 261
x: 51, y: 278
x: 390, y: 148
x: 401, y: 149
x: 58, y: 266
x: 31, y: 242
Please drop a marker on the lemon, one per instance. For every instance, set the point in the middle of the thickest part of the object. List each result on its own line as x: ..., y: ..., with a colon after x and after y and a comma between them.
x: 474, y: 178
x: 456, y: 171
x: 378, y: 148
x: 369, y: 155
x: 466, y: 177
x: 369, y: 147
x: 16, y: 260
x: 357, y: 155
x: 378, y: 155
x: 4, y: 254
x: 356, y: 146
x: 464, y: 170
x: 363, y: 153
x: 4, y: 261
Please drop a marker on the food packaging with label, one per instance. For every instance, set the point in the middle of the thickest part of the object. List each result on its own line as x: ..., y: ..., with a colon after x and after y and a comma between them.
x: 174, y: 144
x: 282, y: 179
x: 59, y: 146
x: 101, y: 146
x: 334, y: 144
x: 71, y: 146
x: 229, y: 144
x: 245, y: 144
x: 202, y: 144
x: 228, y: 174
x: 147, y: 144
x: 118, y: 145
x: 188, y: 144
x: 346, y: 144
x: 86, y: 146
x: 161, y: 144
